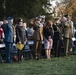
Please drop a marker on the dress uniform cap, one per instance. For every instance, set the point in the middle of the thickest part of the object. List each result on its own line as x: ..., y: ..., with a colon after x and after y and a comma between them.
x: 9, y: 18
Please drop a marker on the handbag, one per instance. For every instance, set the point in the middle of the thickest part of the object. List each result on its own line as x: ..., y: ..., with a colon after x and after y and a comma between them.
x: 19, y: 46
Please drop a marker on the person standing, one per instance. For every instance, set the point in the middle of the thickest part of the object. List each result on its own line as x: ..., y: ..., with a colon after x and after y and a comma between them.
x: 58, y: 43
x: 20, y: 37
x: 38, y: 37
x: 9, y: 39
x: 68, y: 33
x: 5, y: 21
x: 48, y: 38
x: 30, y: 30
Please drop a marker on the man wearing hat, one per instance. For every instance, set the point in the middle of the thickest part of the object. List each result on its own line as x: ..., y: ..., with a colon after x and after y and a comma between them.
x: 9, y: 37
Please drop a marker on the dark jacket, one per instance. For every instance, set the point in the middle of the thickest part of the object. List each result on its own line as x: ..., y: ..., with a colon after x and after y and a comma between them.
x: 20, y: 34
x: 9, y: 33
x: 3, y: 27
x: 57, y: 31
x: 48, y: 32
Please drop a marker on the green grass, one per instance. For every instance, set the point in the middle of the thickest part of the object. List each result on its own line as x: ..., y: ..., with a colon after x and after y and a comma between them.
x: 54, y: 66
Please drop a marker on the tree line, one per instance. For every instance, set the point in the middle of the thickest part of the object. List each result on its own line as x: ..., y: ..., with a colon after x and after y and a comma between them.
x: 23, y: 8
x: 28, y: 9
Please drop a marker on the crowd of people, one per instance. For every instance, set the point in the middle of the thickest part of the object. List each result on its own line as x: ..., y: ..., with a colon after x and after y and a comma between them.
x: 54, y: 35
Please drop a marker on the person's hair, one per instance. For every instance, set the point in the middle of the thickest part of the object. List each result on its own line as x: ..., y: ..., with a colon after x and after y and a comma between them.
x: 19, y: 20
x: 31, y: 23
x: 48, y: 24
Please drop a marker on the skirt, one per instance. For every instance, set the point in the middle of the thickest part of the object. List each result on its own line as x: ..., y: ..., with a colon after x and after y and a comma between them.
x: 48, y: 43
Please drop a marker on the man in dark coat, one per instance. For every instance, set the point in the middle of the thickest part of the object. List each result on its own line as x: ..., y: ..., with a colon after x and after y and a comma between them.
x: 57, y: 37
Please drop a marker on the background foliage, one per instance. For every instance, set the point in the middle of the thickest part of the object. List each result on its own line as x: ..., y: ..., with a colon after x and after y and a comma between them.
x: 28, y: 9
x: 21, y: 8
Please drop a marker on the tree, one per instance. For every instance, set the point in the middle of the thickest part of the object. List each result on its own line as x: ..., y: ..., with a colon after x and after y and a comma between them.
x: 71, y: 7
x: 1, y: 9
x: 24, y: 8
x: 74, y: 15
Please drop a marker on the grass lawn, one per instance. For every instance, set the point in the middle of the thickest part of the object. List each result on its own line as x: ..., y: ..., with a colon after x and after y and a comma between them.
x: 54, y: 66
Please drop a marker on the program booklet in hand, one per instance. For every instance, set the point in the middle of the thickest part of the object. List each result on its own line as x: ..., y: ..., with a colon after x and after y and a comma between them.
x: 19, y: 46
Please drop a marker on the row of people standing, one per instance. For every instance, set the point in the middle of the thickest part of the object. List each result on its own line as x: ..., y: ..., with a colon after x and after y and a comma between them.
x: 42, y: 32
x: 9, y: 33
x: 49, y: 32
x: 56, y: 35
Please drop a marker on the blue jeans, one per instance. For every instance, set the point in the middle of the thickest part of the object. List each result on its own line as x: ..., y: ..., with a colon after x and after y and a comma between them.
x: 8, y: 47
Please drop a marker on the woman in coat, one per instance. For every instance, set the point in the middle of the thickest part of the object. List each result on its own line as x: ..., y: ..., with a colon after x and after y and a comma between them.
x: 20, y: 36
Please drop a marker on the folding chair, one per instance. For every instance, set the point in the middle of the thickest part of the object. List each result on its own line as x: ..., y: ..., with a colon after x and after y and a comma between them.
x: 27, y: 53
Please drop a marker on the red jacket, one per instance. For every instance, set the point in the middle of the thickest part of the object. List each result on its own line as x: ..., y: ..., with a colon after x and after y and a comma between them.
x: 1, y: 33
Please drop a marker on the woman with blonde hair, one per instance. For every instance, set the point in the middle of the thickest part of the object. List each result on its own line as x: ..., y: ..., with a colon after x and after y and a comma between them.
x: 48, y: 38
